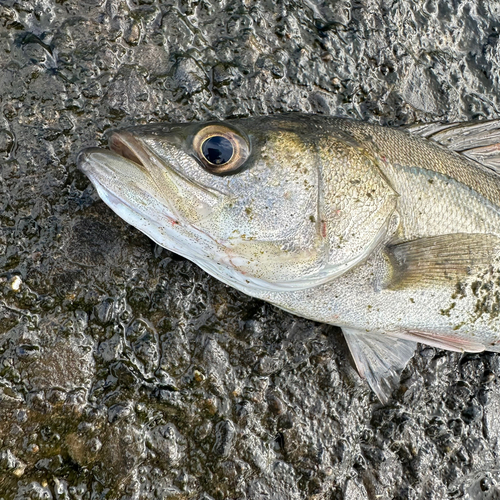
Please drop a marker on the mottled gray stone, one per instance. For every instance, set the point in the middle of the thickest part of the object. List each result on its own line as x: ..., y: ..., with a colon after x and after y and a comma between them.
x: 128, y: 373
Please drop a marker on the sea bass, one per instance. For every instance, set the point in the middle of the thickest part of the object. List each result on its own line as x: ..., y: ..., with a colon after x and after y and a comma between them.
x: 391, y: 234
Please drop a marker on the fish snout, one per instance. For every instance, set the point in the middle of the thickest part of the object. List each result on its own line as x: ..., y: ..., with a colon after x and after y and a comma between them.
x: 84, y: 158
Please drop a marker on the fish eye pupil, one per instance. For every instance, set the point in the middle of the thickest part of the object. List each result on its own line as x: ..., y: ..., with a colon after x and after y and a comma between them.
x: 217, y: 150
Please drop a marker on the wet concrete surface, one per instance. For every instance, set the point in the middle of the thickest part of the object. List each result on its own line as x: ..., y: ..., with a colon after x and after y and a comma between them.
x: 128, y: 373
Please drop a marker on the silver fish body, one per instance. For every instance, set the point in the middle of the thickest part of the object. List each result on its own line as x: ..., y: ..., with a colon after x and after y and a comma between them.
x: 393, y: 235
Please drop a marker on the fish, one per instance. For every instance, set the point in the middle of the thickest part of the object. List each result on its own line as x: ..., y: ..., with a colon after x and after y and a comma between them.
x: 392, y: 234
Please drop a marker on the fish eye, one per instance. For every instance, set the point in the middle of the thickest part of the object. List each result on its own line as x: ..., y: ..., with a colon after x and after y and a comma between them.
x: 217, y: 150
x: 220, y: 149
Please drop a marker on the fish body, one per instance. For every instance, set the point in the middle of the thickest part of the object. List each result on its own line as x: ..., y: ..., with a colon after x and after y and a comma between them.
x: 391, y: 234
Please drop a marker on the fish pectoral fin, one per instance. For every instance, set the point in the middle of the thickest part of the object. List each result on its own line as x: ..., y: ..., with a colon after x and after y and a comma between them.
x: 479, y: 141
x: 448, y: 258
x: 380, y: 359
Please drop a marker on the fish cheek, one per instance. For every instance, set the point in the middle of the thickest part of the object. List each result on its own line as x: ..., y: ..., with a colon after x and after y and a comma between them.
x: 270, y: 226
x: 277, y: 198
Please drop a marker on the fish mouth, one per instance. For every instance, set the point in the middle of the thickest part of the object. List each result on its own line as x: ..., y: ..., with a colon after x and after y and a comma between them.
x: 123, y: 144
x: 124, y: 177
x: 127, y: 146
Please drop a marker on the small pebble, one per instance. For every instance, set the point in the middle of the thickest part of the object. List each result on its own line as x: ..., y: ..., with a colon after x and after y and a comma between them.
x: 15, y: 283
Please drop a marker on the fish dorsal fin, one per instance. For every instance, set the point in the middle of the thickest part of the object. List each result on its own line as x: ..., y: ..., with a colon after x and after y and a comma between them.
x: 478, y: 141
x: 440, y: 259
x: 380, y: 359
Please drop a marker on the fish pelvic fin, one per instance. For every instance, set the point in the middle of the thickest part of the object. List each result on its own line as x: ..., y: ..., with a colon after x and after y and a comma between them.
x: 380, y: 359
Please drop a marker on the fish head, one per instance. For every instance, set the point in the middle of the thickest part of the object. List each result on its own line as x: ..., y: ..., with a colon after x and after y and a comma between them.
x: 244, y: 199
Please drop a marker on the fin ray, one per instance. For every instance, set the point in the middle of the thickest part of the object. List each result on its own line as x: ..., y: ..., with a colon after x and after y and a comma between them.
x: 440, y: 259
x: 379, y: 358
x: 449, y: 342
x: 479, y: 141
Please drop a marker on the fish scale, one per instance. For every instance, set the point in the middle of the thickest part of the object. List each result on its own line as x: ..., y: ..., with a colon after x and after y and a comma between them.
x: 429, y: 206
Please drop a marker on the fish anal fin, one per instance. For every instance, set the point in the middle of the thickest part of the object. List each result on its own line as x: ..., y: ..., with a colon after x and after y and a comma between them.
x: 450, y: 341
x: 380, y: 359
x: 441, y: 259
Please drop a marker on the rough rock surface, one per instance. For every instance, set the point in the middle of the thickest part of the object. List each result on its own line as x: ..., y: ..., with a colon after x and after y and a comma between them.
x: 128, y: 373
